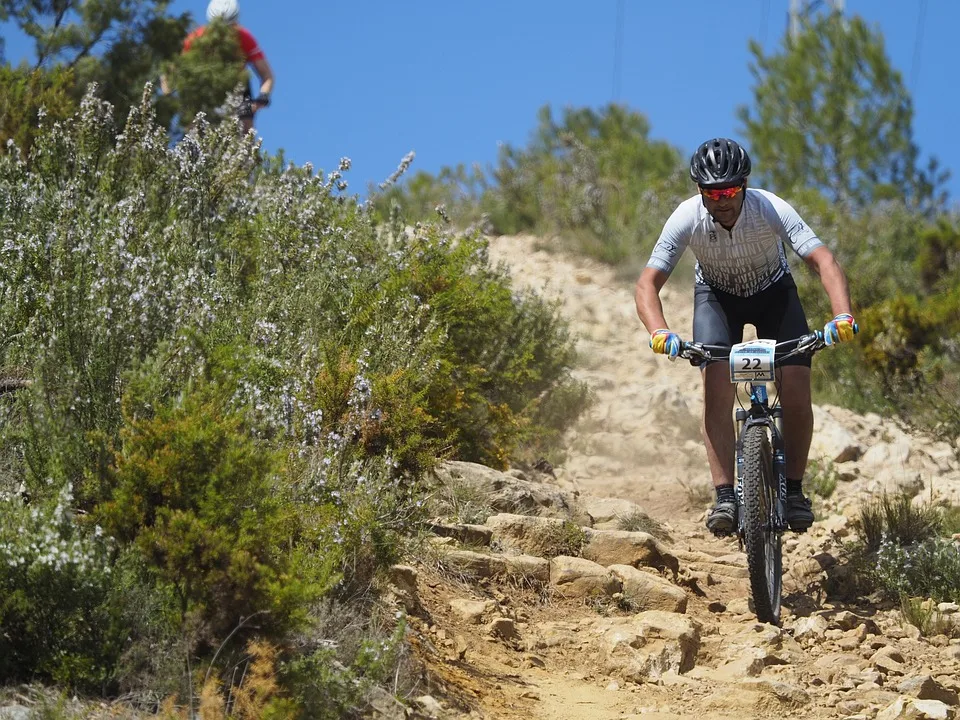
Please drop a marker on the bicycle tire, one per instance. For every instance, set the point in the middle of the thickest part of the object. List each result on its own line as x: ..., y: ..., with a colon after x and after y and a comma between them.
x: 762, y: 542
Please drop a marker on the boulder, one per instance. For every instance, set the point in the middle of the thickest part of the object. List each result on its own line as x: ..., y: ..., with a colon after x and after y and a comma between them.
x: 905, y: 708
x: 543, y: 537
x: 507, y: 494
x: 472, y: 564
x: 647, y: 591
x: 472, y: 611
x: 607, y: 513
x: 579, y: 578
x: 526, y: 567
x: 476, y: 535
x: 924, y: 687
x: 649, y: 645
x: 620, y: 547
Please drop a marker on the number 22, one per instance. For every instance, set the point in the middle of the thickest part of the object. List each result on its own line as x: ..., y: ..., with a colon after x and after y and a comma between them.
x: 751, y: 363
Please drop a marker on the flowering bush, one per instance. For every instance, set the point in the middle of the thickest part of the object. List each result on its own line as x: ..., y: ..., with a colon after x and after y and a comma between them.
x: 240, y: 372
x: 54, y: 586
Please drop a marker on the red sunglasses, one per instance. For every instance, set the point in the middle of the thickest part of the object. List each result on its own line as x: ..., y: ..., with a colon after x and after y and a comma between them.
x: 722, y: 193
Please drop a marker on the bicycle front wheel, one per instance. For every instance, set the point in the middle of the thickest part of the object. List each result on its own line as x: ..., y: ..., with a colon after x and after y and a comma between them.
x: 761, y: 538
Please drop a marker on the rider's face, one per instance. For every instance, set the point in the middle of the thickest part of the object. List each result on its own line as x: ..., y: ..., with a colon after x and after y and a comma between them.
x: 725, y: 210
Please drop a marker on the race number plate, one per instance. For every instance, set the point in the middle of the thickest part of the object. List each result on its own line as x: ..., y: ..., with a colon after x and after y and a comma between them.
x: 752, y: 361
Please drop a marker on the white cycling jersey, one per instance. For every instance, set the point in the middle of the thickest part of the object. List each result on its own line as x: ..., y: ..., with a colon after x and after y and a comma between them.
x: 745, y: 260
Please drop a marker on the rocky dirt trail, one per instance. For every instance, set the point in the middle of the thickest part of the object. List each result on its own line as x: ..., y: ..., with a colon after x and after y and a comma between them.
x: 591, y: 590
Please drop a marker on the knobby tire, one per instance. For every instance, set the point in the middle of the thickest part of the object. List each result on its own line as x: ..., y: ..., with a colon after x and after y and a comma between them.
x: 761, y: 541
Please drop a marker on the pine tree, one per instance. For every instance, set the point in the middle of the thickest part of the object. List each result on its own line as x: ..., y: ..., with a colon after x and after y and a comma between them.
x: 830, y: 112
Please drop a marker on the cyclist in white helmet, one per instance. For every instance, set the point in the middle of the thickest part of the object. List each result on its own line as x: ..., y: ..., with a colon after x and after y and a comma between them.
x: 739, y: 236
x: 229, y: 11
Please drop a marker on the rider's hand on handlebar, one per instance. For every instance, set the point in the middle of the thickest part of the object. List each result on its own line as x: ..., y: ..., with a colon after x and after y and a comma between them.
x: 841, y: 329
x: 665, y: 342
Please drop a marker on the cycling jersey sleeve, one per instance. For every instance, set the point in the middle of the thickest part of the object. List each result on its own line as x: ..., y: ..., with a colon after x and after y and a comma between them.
x: 251, y: 50
x: 674, y: 237
x: 791, y: 228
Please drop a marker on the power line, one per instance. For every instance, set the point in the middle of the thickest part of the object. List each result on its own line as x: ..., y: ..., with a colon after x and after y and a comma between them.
x: 918, y: 45
x: 618, y: 50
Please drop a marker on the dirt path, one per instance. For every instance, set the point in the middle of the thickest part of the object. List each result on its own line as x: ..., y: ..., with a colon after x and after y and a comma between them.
x: 573, y: 659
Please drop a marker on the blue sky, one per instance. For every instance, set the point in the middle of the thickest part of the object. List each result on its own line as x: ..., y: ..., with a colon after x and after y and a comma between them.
x: 452, y: 80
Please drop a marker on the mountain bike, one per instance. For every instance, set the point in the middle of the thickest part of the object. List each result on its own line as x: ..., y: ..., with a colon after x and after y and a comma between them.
x: 761, y: 482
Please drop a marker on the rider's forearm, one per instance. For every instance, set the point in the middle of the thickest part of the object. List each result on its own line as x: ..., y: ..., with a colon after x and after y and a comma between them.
x: 265, y: 73
x: 647, y: 299
x: 835, y: 283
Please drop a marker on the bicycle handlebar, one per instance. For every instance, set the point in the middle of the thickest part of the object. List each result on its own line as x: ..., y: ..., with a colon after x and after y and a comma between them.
x: 699, y: 354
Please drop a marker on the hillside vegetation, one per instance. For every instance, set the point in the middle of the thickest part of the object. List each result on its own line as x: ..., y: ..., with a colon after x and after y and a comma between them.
x: 237, y: 382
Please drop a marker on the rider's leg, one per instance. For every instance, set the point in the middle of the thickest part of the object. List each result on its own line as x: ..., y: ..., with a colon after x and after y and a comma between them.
x: 718, y: 435
x: 794, y: 383
x: 716, y: 322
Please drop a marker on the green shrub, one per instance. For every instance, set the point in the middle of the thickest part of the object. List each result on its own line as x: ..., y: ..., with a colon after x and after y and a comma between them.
x: 922, y: 614
x: 929, y: 569
x: 338, y: 676
x: 896, y: 519
x: 196, y: 494
x: 55, y: 581
x: 32, y: 99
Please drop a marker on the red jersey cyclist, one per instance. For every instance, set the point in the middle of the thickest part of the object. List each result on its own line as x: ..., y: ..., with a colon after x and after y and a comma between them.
x: 229, y: 11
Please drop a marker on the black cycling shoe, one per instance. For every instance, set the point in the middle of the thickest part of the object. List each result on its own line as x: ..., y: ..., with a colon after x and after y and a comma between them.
x: 798, y: 513
x: 722, y: 518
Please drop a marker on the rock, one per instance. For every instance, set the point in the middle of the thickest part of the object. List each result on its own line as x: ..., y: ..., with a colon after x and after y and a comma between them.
x: 648, y: 645
x: 846, y: 620
x: 503, y: 628
x: 15, y: 712
x: 887, y: 455
x: 472, y: 564
x: 850, y: 707
x: 750, y: 664
x: 786, y: 693
x: 909, y: 708
x: 403, y: 578
x: 833, y: 441
x: 648, y: 591
x: 620, y: 547
x: 579, y: 578
x: 607, y: 512
x: 429, y: 706
x: 948, y: 608
x: 472, y: 611
x: 888, y: 660
x: 837, y: 525
x: 813, y: 626
x: 925, y: 687
x: 542, y: 537
x: 476, y: 535
x: 527, y: 567
x: 740, y: 606
x: 507, y: 494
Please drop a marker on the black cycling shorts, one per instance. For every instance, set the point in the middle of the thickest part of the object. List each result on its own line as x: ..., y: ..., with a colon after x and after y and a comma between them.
x: 719, y: 317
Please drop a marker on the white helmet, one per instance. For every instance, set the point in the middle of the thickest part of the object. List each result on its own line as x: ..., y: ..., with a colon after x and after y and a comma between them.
x: 228, y: 10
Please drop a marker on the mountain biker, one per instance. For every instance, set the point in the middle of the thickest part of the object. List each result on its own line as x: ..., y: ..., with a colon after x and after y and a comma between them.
x: 738, y: 236
x: 229, y: 11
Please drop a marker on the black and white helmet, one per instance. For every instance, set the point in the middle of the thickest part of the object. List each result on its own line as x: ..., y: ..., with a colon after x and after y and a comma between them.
x: 719, y: 162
